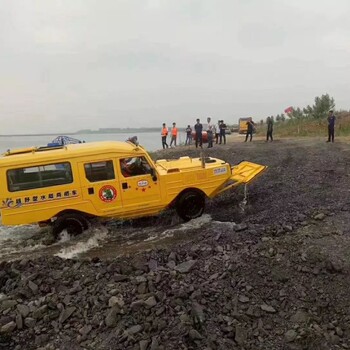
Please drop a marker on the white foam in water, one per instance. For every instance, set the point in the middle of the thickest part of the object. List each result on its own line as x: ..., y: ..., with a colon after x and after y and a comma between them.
x: 193, y: 224
x: 81, y: 247
x: 64, y: 237
x: 150, y: 238
x: 17, y: 232
x: 228, y: 224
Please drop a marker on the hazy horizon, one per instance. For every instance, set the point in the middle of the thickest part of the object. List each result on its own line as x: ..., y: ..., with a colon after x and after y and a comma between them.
x: 71, y: 65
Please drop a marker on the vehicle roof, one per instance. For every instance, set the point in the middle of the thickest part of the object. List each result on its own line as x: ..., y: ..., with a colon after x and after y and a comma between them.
x: 38, y: 154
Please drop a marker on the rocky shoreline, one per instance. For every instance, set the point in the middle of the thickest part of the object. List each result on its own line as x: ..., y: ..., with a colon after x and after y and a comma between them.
x: 274, y: 276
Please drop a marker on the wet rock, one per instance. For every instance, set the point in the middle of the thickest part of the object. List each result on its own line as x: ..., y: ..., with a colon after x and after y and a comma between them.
x: 40, y: 312
x: 85, y: 330
x: 240, y: 227
x: 154, y: 344
x: 111, y: 317
x: 197, y: 313
x: 66, y: 313
x: 334, y: 266
x: 186, y: 266
x: 185, y: 319
x: 172, y: 256
x: 137, y: 304
x: 300, y: 317
x: 150, y: 302
x: 5, y: 319
x: 144, y: 344
x: 8, y: 328
x: 194, y: 335
x: 339, y: 331
x: 290, y: 335
x: 23, y: 310
x: 120, y: 278
x: 142, y: 288
x: 240, y: 335
x: 7, y: 304
x: 41, y: 339
x: 134, y: 329
x: 33, y: 287
x: 153, y: 265
x: 140, y: 279
x: 268, y: 308
x: 319, y: 216
x: 30, y: 322
x: 243, y: 299
x: 116, y: 301
x: 19, y: 321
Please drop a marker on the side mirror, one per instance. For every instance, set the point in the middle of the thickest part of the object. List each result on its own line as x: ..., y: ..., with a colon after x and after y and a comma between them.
x: 154, y: 174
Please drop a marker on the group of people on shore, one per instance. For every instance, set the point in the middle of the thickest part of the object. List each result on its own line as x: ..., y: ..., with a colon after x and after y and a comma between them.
x: 213, y: 131
x: 218, y: 131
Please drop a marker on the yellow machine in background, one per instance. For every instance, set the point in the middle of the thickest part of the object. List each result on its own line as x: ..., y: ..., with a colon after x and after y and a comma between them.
x: 66, y: 186
x: 242, y: 125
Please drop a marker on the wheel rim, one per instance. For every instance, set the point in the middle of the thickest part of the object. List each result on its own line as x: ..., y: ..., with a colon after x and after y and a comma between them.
x: 193, y: 206
x: 74, y: 227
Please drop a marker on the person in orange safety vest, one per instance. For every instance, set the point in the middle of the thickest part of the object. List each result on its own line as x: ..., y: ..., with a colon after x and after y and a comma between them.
x: 164, y: 135
x: 173, y: 135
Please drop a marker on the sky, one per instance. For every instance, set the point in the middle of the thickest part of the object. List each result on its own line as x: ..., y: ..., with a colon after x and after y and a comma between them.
x: 67, y: 65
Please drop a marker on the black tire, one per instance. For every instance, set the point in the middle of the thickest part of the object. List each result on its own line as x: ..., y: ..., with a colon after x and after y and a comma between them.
x: 74, y: 223
x: 190, y: 205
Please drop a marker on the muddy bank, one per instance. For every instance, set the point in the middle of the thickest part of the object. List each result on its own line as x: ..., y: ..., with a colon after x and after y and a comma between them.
x: 271, y: 275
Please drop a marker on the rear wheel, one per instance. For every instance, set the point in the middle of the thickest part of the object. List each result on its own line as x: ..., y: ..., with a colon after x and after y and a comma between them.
x: 73, y: 223
x: 190, y: 205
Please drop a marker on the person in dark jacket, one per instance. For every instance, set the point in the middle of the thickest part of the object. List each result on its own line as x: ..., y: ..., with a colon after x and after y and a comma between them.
x: 222, y: 128
x: 188, y: 135
x: 331, y: 124
x: 198, y: 127
x: 250, y: 129
x: 269, y: 124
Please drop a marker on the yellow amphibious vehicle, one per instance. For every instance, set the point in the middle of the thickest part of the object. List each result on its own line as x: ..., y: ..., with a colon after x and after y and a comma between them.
x: 66, y: 186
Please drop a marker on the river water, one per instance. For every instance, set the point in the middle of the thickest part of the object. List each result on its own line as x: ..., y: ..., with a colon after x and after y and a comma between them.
x: 151, y: 141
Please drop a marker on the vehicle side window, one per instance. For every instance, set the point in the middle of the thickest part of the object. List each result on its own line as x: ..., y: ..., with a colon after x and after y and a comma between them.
x: 39, y: 176
x: 134, y: 166
x: 99, y: 171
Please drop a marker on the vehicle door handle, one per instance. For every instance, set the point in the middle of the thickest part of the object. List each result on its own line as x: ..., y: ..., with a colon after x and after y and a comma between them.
x: 91, y: 190
x: 124, y: 185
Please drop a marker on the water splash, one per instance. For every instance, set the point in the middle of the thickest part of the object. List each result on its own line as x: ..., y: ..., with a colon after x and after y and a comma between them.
x: 190, y: 225
x: 99, y: 235
x: 17, y: 232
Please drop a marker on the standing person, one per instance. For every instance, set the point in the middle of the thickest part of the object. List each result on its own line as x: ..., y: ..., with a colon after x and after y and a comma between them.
x: 188, y: 135
x: 217, y: 132
x: 164, y: 134
x: 173, y: 135
x: 214, y: 133
x: 198, y: 127
x: 222, y: 127
x: 269, y: 124
x: 210, y: 133
x: 250, y: 129
x: 331, y: 124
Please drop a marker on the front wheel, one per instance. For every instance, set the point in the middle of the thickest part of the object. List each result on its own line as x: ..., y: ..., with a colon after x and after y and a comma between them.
x: 73, y: 223
x: 190, y: 205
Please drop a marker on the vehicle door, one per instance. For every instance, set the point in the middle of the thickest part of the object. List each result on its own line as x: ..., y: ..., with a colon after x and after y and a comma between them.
x: 139, y: 185
x: 100, y: 185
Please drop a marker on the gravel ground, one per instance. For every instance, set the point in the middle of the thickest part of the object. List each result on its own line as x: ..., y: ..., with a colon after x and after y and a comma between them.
x: 271, y: 275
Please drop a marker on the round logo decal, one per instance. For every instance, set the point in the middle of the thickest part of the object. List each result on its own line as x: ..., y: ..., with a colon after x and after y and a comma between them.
x: 108, y: 193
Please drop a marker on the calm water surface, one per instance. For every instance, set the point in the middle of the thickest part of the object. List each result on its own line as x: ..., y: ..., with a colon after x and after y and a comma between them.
x: 150, y: 140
